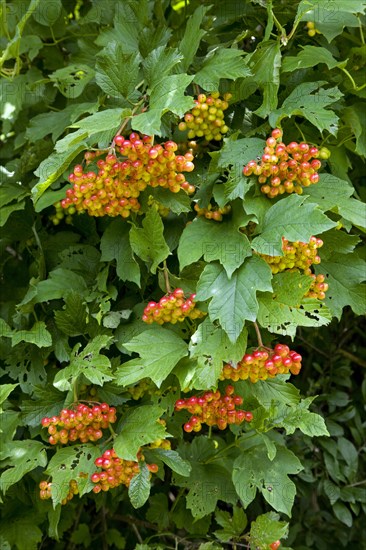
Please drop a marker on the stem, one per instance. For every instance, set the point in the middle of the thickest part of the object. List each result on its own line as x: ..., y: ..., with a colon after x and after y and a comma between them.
x: 166, y: 278
x: 196, y: 89
x: 361, y: 32
x: 75, y: 390
x: 177, y: 499
x: 113, y: 433
x: 125, y: 122
x: 259, y: 336
x: 302, y: 135
x: 353, y: 358
x: 355, y: 87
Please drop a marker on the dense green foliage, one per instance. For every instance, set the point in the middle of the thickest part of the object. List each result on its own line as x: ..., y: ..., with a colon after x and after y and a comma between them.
x: 74, y: 74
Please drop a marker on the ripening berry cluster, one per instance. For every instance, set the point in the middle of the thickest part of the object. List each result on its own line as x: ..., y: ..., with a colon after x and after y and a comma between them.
x: 212, y: 212
x: 172, y: 308
x: 115, y: 185
x: 84, y: 424
x: 62, y: 213
x: 116, y: 471
x: 285, y: 168
x: 297, y: 255
x: 142, y: 387
x: 160, y: 208
x: 213, y: 409
x: 46, y: 491
x: 206, y: 119
x: 318, y: 287
x: 263, y: 364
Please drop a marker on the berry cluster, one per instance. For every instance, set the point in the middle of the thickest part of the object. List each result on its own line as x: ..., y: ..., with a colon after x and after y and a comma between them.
x: 138, y: 390
x: 85, y: 423
x: 297, y: 255
x: 206, y: 119
x: 163, y: 210
x: 116, y: 471
x: 263, y: 364
x: 318, y: 287
x: 46, y: 491
x: 115, y: 185
x: 172, y: 308
x: 285, y: 168
x: 212, y: 212
x: 312, y: 30
x: 62, y: 213
x: 213, y: 409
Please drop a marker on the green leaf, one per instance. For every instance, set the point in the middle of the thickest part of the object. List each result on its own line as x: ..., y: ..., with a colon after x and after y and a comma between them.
x: 73, y: 462
x: 176, y: 202
x: 342, y: 513
x: 211, y: 346
x: 103, y: 120
x: 89, y: 362
x: 6, y: 211
x: 239, y: 151
x: 329, y: 192
x: 167, y: 95
x: 173, y: 460
x: 5, y: 391
x: 45, y: 402
x: 354, y: 116
x: 208, y: 481
x: 117, y: 71
x: 222, y: 63
x: 354, y: 211
x: 330, y: 18
x: 52, y: 168
x: 115, y: 245
x: 234, y: 300
x: 292, y: 417
x: 275, y: 390
x: 159, y: 349
x: 49, y: 16
x: 264, y: 63
x: 37, y: 335
x: 192, y: 36
x: 310, y: 56
x: 293, y: 218
x: 22, y: 457
x: 139, y: 427
x: 72, y: 320
x: 159, y: 64
x: 148, y: 242
x: 265, y: 530
x: 281, y: 314
x: 139, y: 488
x: 254, y: 471
x: 21, y: 533
x: 345, y: 274
x: 233, y: 526
x: 72, y: 80
x: 310, y: 101
x: 214, y: 241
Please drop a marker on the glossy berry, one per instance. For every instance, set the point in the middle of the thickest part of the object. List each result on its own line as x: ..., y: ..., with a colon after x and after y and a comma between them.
x: 213, y: 409
x: 83, y: 424
x: 172, y: 308
x: 286, y: 168
x: 275, y: 545
x: 263, y: 364
x: 114, y: 185
x: 206, y: 119
x: 296, y: 256
x: 212, y: 212
x: 116, y: 471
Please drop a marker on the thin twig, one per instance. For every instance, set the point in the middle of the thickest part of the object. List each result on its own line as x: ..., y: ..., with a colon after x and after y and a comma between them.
x: 259, y: 336
x: 166, y: 278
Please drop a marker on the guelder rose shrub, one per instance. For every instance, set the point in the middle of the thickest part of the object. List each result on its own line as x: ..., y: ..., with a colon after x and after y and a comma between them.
x: 183, y: 264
